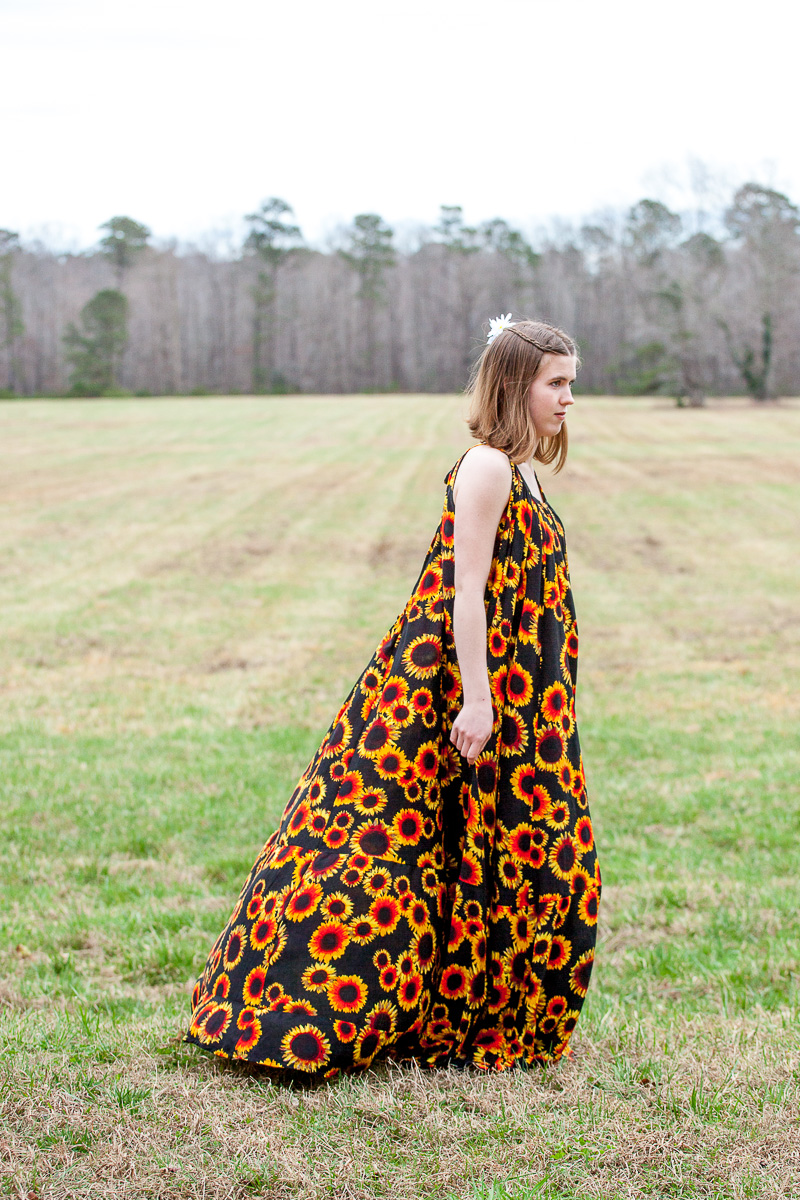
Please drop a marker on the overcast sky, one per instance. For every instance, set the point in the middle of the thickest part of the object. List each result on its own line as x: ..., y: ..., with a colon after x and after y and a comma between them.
x: 184, y: 114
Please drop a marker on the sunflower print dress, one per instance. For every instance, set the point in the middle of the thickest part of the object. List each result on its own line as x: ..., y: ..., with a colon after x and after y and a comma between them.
x: 410, y: 906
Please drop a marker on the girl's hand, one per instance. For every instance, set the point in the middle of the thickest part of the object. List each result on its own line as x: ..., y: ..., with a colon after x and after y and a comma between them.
x: 472, y: 728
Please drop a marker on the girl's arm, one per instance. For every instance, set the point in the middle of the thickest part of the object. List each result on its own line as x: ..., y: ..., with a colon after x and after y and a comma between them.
x: 481, y: 492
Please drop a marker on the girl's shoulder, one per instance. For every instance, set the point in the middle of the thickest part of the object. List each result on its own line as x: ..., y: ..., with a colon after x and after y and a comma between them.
x: 483, y: 467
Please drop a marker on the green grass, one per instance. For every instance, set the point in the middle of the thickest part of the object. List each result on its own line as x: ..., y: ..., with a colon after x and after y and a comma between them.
x: 188, y: 589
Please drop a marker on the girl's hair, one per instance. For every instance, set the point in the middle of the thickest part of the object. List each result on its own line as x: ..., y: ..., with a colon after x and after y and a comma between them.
x: 499, y: 387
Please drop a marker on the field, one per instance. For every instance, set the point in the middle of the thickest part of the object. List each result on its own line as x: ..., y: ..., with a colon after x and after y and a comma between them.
x: 188, y: 589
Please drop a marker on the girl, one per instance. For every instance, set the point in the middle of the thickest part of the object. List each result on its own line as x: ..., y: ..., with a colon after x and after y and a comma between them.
x: 432, y: 890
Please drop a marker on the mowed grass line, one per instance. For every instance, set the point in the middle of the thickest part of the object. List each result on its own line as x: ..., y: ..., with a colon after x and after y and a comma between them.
x: 188, y: 590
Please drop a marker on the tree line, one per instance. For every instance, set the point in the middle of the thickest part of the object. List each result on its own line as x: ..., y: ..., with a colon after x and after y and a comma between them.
x: 681, y: 304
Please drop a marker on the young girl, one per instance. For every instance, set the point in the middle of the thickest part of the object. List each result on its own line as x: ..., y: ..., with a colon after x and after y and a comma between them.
x: 432, y: 890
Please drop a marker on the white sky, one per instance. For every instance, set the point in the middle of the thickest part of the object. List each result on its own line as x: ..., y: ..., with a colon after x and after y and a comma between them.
x: 184, y: 114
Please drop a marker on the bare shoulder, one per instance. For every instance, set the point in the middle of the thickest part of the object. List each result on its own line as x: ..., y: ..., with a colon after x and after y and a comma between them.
x: 484, y: 471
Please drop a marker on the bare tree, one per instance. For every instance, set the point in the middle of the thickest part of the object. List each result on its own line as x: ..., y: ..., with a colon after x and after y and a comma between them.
x: 271, y: 240
x: 688, y: 304
x: 11, y: 323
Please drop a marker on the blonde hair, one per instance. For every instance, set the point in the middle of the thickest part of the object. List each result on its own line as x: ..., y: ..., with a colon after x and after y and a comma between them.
x: 499, y: 387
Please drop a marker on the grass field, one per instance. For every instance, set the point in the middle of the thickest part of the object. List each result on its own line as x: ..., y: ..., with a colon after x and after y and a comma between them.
x: 188, y: 589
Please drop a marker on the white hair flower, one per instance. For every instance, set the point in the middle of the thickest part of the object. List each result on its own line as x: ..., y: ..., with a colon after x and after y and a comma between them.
x: 497, y: 325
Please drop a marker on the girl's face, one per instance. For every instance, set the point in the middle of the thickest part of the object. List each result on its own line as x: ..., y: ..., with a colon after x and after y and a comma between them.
x: 550, y: 394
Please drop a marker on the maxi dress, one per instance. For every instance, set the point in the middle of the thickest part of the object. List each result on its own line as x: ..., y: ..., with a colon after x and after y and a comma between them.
x: 410, y: 906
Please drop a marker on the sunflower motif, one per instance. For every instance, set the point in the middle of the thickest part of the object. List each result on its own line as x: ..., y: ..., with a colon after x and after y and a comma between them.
x: 426, y: 762
x: 388, y: 978
x: 566, y: 775
x: 550, y: 746
x: 211, y: 1022
x: 338, y: 738
x: 422, y: 656
x: 335, y: 836
x: 567, y: 721
x: 306, y: 1048
x: 453, y: 983
x: 581, y: 880
x: 563, y: 857
x: 402, y: 715
x: 377, y: 882
x: 374, y: 839
x: 430, y: 583
x: 497, y: 644
x: 581, y: 973
x: 363, y: 930
x: 523, y: 783
x: 529, y: 624
x: 568, y: 1022
x: 389, y: 762
x: 347, y: 993
x: 516, y: 967
x: 299, y: 818
x: 509, y: 871
x: 222, y: 987
x: 424, y: 950
x: 418, y: 915
x: 470, y: 873
x: 382, y: 1018
x: 407, y: 827
x: 497, y: 684
x: 498, y: 996
x: 254, y: 985
x: 413, y: 792
x: 250, y: 1036
x: 555, y: 702
x: 368, y: 1044
x: 559, y: 953
x: 521, y: 842
x: 496, y: 580
x: 303, y: 903
x: 372, y: 801
x: 589, y: 906
x: 370, y: 683
x: 263, y: 932
x: 540, y: 948
x: 234, y: 948
x: 525, y: 517
x: 344, y: 1030
x: 385, y: 911
x: 318, y: 976
x: 409, y: 990
x: 558, y: 817
x: 486, y: 773
x: 448, y: 569
x: 329, y: 941
x: 319, y: 823
x: 513, y: 738
x: 584, y: 835
x: 522, y: 930
x: 337, y: 905
x: 351, y: 787
x: 326, y: 863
